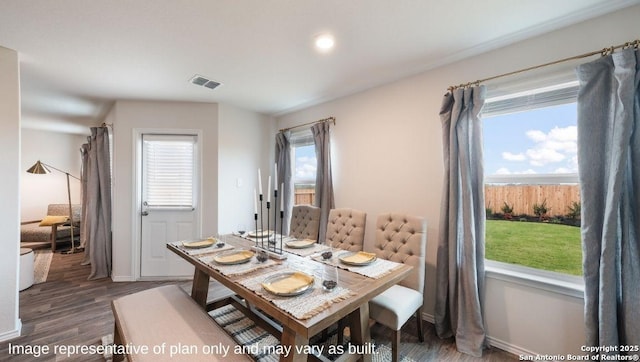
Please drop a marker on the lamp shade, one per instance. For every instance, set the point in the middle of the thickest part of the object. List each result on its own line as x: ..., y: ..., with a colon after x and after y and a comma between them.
x: 38, y: 168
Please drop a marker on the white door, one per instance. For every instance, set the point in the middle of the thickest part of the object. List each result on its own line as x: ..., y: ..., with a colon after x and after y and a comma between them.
x: 169, y: 211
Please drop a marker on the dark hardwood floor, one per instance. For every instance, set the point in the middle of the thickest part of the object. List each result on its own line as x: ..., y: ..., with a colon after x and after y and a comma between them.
x: 69, y: 310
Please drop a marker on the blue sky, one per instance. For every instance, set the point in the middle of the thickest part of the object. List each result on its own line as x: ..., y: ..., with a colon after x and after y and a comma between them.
x: 305, y: 164
x: 533, y: 142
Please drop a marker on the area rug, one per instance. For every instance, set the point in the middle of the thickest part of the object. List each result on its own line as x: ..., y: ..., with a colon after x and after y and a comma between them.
x: 41, y: 264
x: 256, y: 340
x: 247, y: 333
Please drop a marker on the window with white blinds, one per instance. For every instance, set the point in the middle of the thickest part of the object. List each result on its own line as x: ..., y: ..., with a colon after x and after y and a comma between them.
x: 169, y: 170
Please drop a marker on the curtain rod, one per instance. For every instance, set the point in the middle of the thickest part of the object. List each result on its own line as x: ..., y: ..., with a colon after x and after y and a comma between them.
x: 330, y: 119
x: 603, y: 52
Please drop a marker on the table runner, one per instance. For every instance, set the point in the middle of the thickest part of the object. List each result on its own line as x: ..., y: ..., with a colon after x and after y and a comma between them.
x: 375, y: 270
x: 303, y: 306
x: 317, y: 248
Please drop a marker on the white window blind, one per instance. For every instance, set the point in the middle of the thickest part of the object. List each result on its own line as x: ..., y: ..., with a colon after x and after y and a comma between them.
x: 537, y: 98
x: 169, y: 170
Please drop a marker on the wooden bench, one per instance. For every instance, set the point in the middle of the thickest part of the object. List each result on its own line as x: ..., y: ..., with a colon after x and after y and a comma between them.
x: 167, y: 316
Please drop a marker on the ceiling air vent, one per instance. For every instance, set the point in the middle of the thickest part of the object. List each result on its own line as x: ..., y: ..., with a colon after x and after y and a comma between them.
x: 205, y: 82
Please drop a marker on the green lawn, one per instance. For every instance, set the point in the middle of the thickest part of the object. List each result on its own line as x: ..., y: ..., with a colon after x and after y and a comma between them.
x: 538, y: 245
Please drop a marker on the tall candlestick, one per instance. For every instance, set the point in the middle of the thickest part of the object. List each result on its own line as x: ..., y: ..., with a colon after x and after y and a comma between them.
x: 275, y: 178
x: 255, y: 202
x: 269, y: 188
x: 259, y: 182
x: 282, y: 198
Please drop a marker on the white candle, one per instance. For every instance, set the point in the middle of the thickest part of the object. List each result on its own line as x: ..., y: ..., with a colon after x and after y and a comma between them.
x: 275, y: 179
x: 282, y: 198
x: 255, y: 202
x: 259, y: 182
x: 269, y: 188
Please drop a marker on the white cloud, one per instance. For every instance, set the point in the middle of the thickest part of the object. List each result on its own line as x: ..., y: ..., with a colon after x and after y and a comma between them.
x: 503, y: 171
x: 513, y: 156
x: 559, y: 145
x: 536, y: 135
x: 306, y: 168
x: 540, y: 156
x: 529, y: 172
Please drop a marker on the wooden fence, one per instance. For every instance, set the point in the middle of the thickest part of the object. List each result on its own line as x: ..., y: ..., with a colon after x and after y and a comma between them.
x: 522, y: 198
x: 304, y: 197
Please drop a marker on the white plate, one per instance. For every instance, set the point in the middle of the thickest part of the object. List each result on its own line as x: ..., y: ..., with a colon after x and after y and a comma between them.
x: 259, y: 233
x: 297, y: 244
x: 367, y: 262
x: 280, y: 276
x: 199, y: 244
x: 220, y: 257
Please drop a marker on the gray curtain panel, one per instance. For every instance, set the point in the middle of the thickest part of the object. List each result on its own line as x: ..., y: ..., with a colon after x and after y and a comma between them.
x: 609, y: 164
x: 98, y: 216
x: 324, y: 181
x: 285, y: 174
x: 460, y: 259
x: 84, y: 156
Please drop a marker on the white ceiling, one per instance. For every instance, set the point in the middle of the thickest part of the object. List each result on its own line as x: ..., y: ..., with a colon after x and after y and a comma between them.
x: 78, y: 56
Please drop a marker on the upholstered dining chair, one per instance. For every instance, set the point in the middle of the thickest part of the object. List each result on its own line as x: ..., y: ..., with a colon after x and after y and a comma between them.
x: 345, y: 229
x: 402, y: 239
x: 305, y: 222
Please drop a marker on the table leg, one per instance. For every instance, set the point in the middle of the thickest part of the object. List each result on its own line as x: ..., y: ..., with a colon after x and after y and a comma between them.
x: 200, y: 287
x: 360, y: 331
x: 292, y: 340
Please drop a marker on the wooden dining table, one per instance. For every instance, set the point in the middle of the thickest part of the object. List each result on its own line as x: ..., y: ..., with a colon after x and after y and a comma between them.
x: 295, y: 333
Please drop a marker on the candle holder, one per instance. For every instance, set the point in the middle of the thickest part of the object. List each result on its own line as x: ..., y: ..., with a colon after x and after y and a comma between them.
x: 273, y: 244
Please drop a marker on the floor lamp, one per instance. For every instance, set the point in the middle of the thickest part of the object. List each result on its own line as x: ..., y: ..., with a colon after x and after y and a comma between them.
x: 42, y: 168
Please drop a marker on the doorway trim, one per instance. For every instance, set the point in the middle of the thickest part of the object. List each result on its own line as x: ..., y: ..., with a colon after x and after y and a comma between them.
x: 136, y: 222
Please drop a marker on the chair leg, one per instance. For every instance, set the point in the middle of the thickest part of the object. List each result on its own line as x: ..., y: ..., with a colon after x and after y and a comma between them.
x: 395, y: 346
x: 419, y: 321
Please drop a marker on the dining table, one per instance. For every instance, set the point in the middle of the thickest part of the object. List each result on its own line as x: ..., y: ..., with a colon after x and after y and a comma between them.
x: 300, y: 316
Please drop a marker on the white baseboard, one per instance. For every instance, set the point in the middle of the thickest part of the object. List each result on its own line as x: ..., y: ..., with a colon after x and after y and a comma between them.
x: 493, y: 342
x: 122, y: 278
x: 508, y: 347
x: 5, y: 336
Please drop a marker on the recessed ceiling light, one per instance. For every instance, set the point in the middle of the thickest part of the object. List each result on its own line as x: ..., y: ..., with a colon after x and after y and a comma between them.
x: 324, y: 42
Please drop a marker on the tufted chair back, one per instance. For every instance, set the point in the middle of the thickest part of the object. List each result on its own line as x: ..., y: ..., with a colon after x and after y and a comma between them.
x: 305, y: 222
x: 345, y: 229
x: 403, y: 239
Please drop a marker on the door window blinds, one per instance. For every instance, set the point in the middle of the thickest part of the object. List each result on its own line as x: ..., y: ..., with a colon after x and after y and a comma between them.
x: 169, y: 170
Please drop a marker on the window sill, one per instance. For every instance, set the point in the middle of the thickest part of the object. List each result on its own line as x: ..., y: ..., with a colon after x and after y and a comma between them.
x: 548, y: 281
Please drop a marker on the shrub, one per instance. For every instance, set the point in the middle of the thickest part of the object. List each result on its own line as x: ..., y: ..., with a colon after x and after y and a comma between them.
x: 540, y: 210
x: 507, y: 211
x: 574, y: 210
x: 488, y: 211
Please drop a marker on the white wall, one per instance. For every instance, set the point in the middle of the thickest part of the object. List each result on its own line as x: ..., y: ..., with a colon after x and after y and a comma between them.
x: 387, y: 156
x: 60, y: 150
x: 129, y: 115
x: 245, y: 144
x: 9, y: 192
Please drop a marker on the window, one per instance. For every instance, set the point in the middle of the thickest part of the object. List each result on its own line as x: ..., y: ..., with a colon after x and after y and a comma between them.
x: 168, y: 170
x: 531, y: 180
x: 305, y: 165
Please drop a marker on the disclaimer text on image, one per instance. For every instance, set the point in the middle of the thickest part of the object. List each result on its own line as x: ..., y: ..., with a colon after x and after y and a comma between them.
x: 591, y: 353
